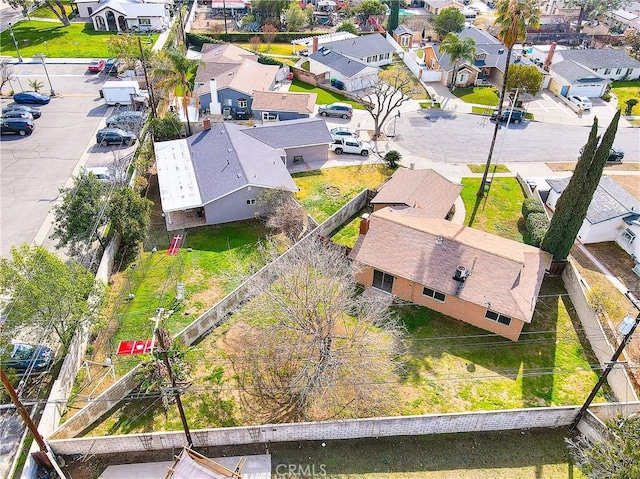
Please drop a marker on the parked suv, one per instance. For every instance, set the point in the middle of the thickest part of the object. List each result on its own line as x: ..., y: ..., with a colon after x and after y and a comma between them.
x: 516, y: 115
x: 21, y: 126
x: 115, y: 136
x: 112, y: 66
x: 16, y: 107
x: 341, y: 110
x: 351, y: 145
x: 23, y: 357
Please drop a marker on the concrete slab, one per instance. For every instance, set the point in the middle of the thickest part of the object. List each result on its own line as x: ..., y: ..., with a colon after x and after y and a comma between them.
x: 256, y: 467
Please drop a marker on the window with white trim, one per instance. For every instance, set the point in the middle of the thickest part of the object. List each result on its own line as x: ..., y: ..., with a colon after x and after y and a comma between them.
x: 607, y: 71
x: 242, y: 102
x: 382, y: 281
x: 628, y: 235
x: 618, y: 71
x: 144, y: 21
x: 252, y: 201
x: 497, y: 317
x: 432, y: 293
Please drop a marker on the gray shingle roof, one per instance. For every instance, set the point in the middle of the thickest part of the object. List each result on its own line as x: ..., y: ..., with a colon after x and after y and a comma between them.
x: 362, y: 46
x: 339, y: 62
x: 291, y: 133
x: 402, y: 30
x: 610, y: 200
x: 601, y: 58
x: 572, y: 72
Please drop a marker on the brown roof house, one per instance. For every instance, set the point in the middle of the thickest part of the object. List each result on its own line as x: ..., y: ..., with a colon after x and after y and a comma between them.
x: 426, y: 192
x: 281, y: 106
x: 482, y: 279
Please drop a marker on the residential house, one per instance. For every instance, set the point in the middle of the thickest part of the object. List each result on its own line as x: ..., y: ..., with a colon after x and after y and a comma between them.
x: 479, y: 278
x: 306, y: 139
x: 216, y: 175
x: 228, y: 77
x: 403, y: 36
x: 372, y: 49
x: 351, y: 74
x: 280, y: 106
x: 426, y: 191
x: 436, y: 6
x: 619, y: 20
x: 558, y: 8
x: 613, y: 214
x: 123, y: 15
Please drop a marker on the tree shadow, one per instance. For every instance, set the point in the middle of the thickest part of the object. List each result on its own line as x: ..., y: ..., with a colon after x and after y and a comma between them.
x: 476, y: 207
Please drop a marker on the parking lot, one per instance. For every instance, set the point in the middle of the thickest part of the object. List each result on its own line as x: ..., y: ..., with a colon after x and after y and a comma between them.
x: 33, y: 168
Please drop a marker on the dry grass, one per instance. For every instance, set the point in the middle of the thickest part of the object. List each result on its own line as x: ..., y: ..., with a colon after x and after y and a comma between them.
x: 571, y: 165
x: 630, y: 183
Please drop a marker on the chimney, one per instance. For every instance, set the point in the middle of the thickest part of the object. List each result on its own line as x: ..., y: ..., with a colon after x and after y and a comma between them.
x: 549, y: 60
x: 314, y: 45
x: 364, y: 224
x: 206, y: 124
x: 214, y: 106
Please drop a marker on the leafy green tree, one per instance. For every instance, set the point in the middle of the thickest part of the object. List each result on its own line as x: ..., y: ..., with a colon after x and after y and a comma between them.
x: 394, y: 17
x: 590, y: 9
x: 348, y: 26
x: 268, y: 11
x: 632, y: 39
x: 166, y: 128
x: 449, y: 20
x: 310, y: 13
x: 392, y: 159
x: 617, y: 456
x: 525, y: 77
x: 80, y: 215
x: 295, y: 18
x: 573, y: 204
x: 130, y: 217
x: 458, y: 49
x: 630, y: 103
x: 513, y: 19
x: 368, y: 8
x: 46, y: 296
x: 58, y: 10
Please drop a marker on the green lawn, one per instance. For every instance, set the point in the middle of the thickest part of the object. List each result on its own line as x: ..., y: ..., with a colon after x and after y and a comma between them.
x: 500, y: 212
x: 45, y: 12
x: 480, y: 95
x: 78, y: 40
x: 276, y: 48
x: 625, y: 91
x: 323, y: 192
x: 348, y: 233
x: 324, y: 96
x: 478, y: 168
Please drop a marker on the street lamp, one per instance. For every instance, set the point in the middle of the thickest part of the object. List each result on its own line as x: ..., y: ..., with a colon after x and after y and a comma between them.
x: 15, y: 42
x: 44, y: 64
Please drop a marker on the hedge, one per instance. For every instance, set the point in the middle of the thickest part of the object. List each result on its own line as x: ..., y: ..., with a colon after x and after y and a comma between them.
x: 198, y: 39
x: 531, y: 205
x: 265, y: 60
x: 537, y: 225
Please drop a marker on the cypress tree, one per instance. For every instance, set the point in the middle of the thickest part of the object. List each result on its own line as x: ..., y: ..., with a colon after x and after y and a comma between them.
x: 394, y: 16
x: 572, y: 206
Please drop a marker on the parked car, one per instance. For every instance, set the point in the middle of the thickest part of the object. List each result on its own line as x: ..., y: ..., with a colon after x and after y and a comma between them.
x: 615, y: 154
x: 29, y: 109
x: 350, y: 145
x: 143, y: 29
x: 582, y: 101
x: 100, y: 172
x: 20, y: 126
x: 516, y: 115
x: 96, y: 66
x: 115, y: 136
x: 31, y: 97
x: 22, y: 357
x: 127, y: 120
x: 341, y: 110
x: 340, y: 132
x: 112, y: 66
x: 18, y: 114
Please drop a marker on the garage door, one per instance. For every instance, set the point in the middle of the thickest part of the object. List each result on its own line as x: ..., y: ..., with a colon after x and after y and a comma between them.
x: 588, y: 90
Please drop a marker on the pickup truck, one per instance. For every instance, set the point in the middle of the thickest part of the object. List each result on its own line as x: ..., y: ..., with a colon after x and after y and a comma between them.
x: 350, y: 145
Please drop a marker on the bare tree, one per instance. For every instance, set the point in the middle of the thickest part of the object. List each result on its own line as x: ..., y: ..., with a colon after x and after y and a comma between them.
x: 269, y: 33
x: 282, y: 212
x: 308, y: 346
x: 393, y: 88
x: 6, y: 74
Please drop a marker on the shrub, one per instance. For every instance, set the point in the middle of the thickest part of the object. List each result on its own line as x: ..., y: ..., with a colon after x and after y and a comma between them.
x: 392, y: 159
x: 537, y: 225
x: 531, y: 205
x: 606, y: 96
x: 198, y: 40
x: 268, y: 60
x: 631, y: 102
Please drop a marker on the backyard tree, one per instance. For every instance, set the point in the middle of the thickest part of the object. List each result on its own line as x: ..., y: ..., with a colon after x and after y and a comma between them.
x: 381, y: 99
x: 282, y: 212
x: 310, y: 13
x: 617, y: 456
x: 458, y: 49
x: 513, y: 19
x: 80, y: 215
x: 394, y: 16
x: 129, y: 214
x: 269, y: 33
x: 255, y: 42
x: 449, y: 20
x: 308, y: 346
x: 632, y: 39
x: 58, y: 10
x: 295, y: 18
x: 268, y: 11
x: 368, y: 8
x: 526, y: 78
x: 46, y: 296
x: 348, y: 26
x: 574, y: 202
x: 169, y: 127
x: 590, y: 9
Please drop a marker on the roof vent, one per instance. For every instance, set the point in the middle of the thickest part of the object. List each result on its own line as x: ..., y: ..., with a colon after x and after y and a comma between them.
x: 439, y: 240
x: 326, y: 52
x: 229, y: 150
x: 461, y: 274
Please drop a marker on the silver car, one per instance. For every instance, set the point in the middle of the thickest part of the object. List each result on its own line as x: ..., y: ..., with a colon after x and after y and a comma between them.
x: 341, y: 110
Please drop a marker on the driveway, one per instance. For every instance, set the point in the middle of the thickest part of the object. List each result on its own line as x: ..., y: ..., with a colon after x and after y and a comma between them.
x: 35, y: 167
x: 547, y: 108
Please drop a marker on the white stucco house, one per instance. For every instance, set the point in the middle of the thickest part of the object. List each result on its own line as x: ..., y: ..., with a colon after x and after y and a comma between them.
x: 353, y: 74
x: 613, y: 215
x: 122, y: 15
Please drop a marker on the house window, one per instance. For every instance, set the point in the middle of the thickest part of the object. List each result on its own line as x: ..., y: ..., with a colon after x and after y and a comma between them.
x: 607, y: 71
x: 462, y: 77
x: 242, y: 102
x: 437, y: 295
x: 252, y: 201
x: 629, y: 71
x: 90, y: 10
x: 497, y: 317
x: 144, y: 21
x: 618, y: 71
x: 382, y: 281
x: 384, y: 56
x: 628, y: 235
x: 404, y: 41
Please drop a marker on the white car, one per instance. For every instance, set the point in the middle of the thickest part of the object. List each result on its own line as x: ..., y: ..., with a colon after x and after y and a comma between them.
x: 351, y: 145
x: 341, y: 132
x: 582, y: 101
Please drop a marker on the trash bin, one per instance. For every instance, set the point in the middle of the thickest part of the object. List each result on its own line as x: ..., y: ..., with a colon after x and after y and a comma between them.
x: 333, y: 82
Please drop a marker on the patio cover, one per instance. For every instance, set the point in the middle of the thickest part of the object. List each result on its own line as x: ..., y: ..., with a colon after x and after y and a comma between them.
x: 176, y: 176
x: 191, y: 465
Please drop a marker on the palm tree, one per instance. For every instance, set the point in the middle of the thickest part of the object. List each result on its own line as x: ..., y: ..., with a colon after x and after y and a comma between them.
x: 174, y: 70
x: 458, y: 49
x: 513, y: 19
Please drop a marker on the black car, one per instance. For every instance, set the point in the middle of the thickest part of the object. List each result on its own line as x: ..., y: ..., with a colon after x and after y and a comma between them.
x: 31, y: 97
x: 20, y: 126
x: 516, y: 115
x: 23, y: 357
x: 615, y: 154
x: 112, y: 66
x: 115, y: 136
x: 17, y: 107
x: 127, y: 120
x: 18, y: 114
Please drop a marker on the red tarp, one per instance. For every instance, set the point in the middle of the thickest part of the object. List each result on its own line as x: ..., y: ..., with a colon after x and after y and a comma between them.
x: 134, y: 347
x: 175, y: 245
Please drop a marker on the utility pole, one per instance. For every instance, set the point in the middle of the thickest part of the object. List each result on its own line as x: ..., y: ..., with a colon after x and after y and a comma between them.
x: 631, y: 326
x: 224, y: 11
x: 160, y: 332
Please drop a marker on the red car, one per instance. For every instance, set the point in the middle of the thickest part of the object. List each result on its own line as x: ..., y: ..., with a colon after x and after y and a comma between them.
x: 96, y: 66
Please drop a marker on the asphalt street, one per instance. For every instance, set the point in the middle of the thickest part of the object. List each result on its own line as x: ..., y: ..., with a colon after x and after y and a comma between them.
x: 465, y: 138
